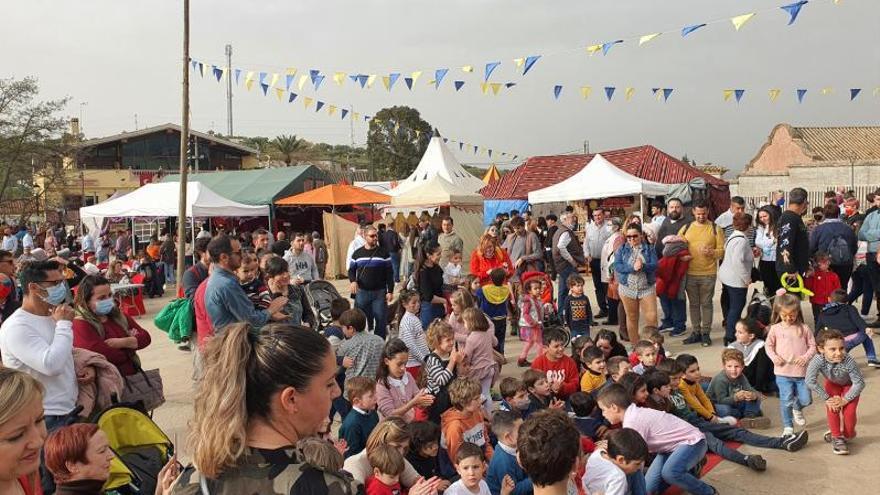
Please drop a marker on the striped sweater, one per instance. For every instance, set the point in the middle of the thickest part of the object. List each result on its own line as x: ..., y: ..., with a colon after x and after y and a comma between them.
x: 843, y: 373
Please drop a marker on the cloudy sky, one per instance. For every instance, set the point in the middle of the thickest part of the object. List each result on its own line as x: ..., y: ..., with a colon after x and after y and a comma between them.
x: 121, y: 58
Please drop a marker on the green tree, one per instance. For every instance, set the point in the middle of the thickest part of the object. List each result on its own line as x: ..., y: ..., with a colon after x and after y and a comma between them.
x: 286, y: 146
x: 259, y: 143
x: 396, y: 141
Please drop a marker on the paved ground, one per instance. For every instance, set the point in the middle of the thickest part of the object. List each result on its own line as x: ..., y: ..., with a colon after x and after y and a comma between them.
x: 813, y: 470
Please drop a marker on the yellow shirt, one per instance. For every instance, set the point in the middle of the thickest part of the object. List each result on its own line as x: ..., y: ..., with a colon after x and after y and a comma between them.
x: 698, y: 237
x: 590, y: 381
x: 696, y: 399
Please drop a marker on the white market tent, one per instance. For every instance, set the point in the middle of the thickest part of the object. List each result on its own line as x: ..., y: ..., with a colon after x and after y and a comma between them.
x: 598, y: 179
x: 435, y: 192
x: 438, y: 161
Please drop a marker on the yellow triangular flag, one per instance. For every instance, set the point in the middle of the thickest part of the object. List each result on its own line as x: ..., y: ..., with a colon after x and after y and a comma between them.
x: 386, y: 81
x: 774, y: 93
x: 331, y: 110
x: 339, y: 78
x: 396, y: 126
x: 356, y: 116
x: 279, y: 92
x: 876, y: 91
x: 495, y: 88
x: 467, y: 68
x: 826, y: 91
x: 249, y: 76
x: 740, y: 20
x: 519, y: 61
x: 728, y: 93
x: 274, y: 80
x: 308, y: 101
x: 302, y: 81
x: 592, y: 49
x: 204, y: 69
x: 658, y: 94
x: 415, y: 76
x: 432, y: 82
x: 484, y: 87
x: 290, y: 71
x: 585, y: 91
x: 418, y: 133
x: 249, y: 84
x: 648, y: 37
x: 628, y: 93
x: 370, y: 80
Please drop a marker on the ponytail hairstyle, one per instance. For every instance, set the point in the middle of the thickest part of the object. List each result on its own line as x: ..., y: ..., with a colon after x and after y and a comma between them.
x: 392, y: 348
x: 84, y: 292
x: 243, y: 370
x: 429, y: 248
x: 405, y: 296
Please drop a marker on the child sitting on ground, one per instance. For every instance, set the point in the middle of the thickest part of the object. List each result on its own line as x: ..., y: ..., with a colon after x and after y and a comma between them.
x: 607, y: 341
x: 493, y: 300
x: 821, y: 282
x: 610, y: 469
x: 758, y: 367
x: 842, y: 388
x: 464, y: 421
x: 540, y: 395
x: 561, y: 370
x: 594, y: 375
x: 578, y: 313
x: 654, y: 336
x: 424, y: 447
x: 617, y: 366
x: 549, y: 452
x: 514, y: 396
x: 505, y: 426
x: 362, y: 418
x: 841, y: 316
x: 478, y: 358
x: 470, y: 463
x: 531, y: 320
x: 587, y: 417
x: 440, y: 366
x: 693, y: 393
x: 733, y: 395
x: 388, y: 464
x: 646, y: 352
x: 252, y: 285
x: 635, y: 386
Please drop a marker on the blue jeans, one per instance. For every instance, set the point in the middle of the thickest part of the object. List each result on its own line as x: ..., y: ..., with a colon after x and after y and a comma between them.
x: 395, y: 266
x: 736, y: 297
x: 562, y: 286
x: 742, y: 409
x: 674, y: 313
x: 428, y: 312
x: 636, y: 483
x: 372, y: 303
x: 169, y: 273
x: 863, y: 339
x: 861, y: 286
x: 793, y: 394
x: 726, y: 432
x: 674, y: 468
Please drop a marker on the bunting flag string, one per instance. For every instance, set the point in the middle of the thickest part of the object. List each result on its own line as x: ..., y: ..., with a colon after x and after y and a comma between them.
x: 736, y: 94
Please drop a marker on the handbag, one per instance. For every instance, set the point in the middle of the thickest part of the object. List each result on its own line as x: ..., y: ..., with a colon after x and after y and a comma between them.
x: 145, y: 387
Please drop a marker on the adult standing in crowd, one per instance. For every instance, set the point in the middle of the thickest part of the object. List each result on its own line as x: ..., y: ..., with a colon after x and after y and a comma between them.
x: 657, y: 215
x: 321, y: 254
x: 611, y: 245
x: 123, y: 243
x: 836, y: 238
x: 524, y: 249
x: 765, y: 248
x: 568, y: 255
x: 427, y: 231
x: 22, y: 432
x: 10, y: 242
x: 50, y: 244
x: 372, y: 281
x: 10, y: 302
x: 635, y: 265
x: 449, y: 241
x: 735, y: 273
x: 675, y: 219
x: 389, y: 239
x: 706, y: 245
x: 597, y: 232
x: 548, y: 245
x: 793, y: 246
x: 356, y: 243
x: 301, y: 265
x: 487, y: 257
x: 260, y: 239
x: 168, y: 256
x: 429, y: 279
x: 870, y: 233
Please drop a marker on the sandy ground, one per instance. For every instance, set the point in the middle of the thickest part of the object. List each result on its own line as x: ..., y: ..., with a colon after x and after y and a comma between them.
x: 813, y: 470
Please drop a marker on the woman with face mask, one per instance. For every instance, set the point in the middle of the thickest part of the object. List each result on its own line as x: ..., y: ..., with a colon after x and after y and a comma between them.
x: 100, y: 326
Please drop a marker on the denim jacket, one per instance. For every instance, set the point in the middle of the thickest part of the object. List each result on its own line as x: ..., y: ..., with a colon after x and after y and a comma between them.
x: 623, y: 264
x: 227, y: 303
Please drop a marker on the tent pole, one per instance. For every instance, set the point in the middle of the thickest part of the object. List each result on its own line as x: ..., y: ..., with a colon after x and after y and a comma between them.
x: 642, y: 205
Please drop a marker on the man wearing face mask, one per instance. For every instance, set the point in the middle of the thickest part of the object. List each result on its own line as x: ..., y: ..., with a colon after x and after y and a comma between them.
x: 37, y: 339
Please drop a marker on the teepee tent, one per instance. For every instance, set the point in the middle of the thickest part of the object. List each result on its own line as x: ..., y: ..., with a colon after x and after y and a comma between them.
x: 491, y: 175
x: 438, y: 161
x: 599, y: 179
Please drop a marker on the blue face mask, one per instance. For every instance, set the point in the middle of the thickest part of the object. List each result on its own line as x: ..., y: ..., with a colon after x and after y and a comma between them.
x: 104, y: 306
x: 56, y: 294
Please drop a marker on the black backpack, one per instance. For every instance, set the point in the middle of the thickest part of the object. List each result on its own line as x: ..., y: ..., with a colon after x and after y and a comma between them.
x: 839, y: 251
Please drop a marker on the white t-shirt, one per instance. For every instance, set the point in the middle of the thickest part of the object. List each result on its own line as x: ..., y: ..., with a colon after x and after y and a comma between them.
x: 458, y: 488
x: 42, y: 348
x: 603, y: 476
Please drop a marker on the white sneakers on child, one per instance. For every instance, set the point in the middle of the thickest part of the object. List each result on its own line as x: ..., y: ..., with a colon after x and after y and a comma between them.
x: 798, y: 416
x: 727, y: 419
x: 787, y: 431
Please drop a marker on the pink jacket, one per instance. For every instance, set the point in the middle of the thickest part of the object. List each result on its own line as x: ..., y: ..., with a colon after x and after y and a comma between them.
x: 783, y: 342
x: 390, y: 398
x: 95, y: 395
x: 479, y: 356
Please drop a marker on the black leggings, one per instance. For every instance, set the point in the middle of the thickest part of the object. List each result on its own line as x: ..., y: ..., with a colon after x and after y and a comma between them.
x: 769, y: 277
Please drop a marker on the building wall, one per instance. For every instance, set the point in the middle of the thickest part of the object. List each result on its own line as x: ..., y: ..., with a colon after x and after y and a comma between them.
x: 815, y: 179
x: 780, y: 153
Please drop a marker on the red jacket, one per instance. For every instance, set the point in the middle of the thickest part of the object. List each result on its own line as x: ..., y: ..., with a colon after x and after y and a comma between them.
x: 481, y: 266
x: 564, y: 368
x: 822, y: 284
x: 671, y: 270
x: 204, y: 328
x: 86, y: 337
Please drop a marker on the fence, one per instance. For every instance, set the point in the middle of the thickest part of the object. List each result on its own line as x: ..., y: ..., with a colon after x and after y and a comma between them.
x: 816, y: 198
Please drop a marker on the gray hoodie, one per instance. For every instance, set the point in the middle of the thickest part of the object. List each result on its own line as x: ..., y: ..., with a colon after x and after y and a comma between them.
x: 301, y: 264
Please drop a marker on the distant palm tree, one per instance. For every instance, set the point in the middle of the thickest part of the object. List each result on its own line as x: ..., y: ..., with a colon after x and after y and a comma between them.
x: 286, y: 145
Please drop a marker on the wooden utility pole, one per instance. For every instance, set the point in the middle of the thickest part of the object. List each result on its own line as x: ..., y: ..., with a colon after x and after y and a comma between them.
x: 184, y: 143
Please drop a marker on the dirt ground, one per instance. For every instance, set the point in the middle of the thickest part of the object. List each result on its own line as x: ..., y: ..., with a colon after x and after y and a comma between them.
x: 812, y: 470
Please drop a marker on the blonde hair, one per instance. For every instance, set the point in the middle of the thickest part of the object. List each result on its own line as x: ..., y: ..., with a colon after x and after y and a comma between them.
x: 474, y: 320
x: 387, y: 460
x: 17, y: 391
x: 321, y: 453
x: 463, y: 299
x: 463, y: 390
x: 437, y: 331
x: 390, y: 430
x: 788, y: 302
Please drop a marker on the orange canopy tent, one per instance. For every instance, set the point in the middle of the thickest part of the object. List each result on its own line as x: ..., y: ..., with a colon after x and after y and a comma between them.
x: 335, y: 195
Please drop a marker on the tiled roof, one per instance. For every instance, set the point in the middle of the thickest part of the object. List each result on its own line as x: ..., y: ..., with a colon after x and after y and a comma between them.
x: 645, y: 161
x: 839, y: 143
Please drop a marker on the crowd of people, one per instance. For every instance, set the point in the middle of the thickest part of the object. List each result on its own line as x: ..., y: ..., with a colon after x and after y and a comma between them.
x: 411, y: 361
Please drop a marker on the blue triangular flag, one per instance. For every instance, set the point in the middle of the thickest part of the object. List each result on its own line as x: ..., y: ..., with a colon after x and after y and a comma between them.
x: 475, y: 149
x: 313, y: 73
x: 738, y: 94
x: 654, y: 90
x: 460, y: 146
x: 318, y: 106
x: 853, y: 93
x: 439, y: 74
x: 318, y: 80
x: 288, y: 80
x: 262, y: 77
x: 509, y: 85
x: 607, y: 46
x: 690, y: 29
x: 362, y: 80
x: 609, y: 92
x: 666, y: 93
x: 354, y: 77
x: 490, y: 153
x: 237, y: 75
x: 195, y: 63
x: 344, y: 113
x: 458, y: 85
x: 445, y: 140
x: 800, y: 95
x: 218, y: 73
x: 201, y: 72
x: 490, y: 67
x: 557, y: 90
x: 530, y: 61
x: 793, y: 10
x: 408, y: 81
x: 265, y: 88
x: 392, y: 78
x: 291, y: 97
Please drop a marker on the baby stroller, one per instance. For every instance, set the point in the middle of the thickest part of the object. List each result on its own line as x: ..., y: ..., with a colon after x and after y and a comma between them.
x: 760, y: 309
x: 551, y: 315
x: 141, y: 449
x: 320, y: 295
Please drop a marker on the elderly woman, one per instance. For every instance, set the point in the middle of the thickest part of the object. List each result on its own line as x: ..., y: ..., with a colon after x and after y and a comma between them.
x: 78, y: 456
x: 735, y: 273
x: 612, y: 244
x: 22, y: 432
x: 635, y: 263
x: 487, y: 257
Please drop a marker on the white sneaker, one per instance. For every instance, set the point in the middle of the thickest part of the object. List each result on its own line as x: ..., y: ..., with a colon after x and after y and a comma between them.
x: 798, y: 417
x: 729, y: 420
x: 787, y: 431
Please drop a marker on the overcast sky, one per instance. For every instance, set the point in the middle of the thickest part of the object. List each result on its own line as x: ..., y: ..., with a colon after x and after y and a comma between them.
x: 123, y: 58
